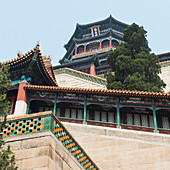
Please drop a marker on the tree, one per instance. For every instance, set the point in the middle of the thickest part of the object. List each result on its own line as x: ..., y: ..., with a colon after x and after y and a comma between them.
x: 4, y: 87
x: 7, y: 158
x: 134, y: 67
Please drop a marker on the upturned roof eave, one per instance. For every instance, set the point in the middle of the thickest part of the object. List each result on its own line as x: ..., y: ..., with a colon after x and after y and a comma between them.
x: 89, y: 39
x: 107, y: 34
x: 98, y: 91
x: 164, y: 54
x: 102, y: 21
x: 24, y: 59
x: 74, y: 62
x: 78, y: 27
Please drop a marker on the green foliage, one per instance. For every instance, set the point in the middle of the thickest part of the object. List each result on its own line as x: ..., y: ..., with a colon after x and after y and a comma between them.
x: 7, y: 158
x: 4, y: 87
x: 134, y: 67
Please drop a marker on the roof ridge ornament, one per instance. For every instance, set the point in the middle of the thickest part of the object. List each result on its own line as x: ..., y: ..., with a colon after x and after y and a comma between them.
x: 110, y: 18
x: 37, y: 47
x: 78, y: 26
x: 19, y: 54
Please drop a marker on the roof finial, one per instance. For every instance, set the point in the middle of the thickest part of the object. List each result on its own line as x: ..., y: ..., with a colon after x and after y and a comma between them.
x: 37, y: 46
x: 78, y: 26
x: 19, y: 54
x: 38, y: 43
x: 110, y: 18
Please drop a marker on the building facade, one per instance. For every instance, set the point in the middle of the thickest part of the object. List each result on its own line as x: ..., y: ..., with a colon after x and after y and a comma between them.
x: 75, y: 92
x: 37, y: 90
x: 90, y: 44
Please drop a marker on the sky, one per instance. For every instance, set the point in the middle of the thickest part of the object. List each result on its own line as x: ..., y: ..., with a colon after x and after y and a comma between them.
x: 23, y: 23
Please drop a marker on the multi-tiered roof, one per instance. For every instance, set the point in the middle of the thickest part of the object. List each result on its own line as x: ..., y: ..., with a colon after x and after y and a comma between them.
x: 91, y: 43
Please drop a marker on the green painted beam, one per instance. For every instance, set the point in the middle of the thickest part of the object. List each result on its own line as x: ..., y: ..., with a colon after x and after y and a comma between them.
x: 33, y: 60
x: 154, y: 117
x: 85, y: 110
x: 118, y: 113
x: 55, y: 105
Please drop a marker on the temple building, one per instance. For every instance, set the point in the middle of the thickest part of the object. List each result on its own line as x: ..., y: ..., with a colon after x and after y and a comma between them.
x: 75, y: 91
x: 36, y: 89
x: 90, y: 44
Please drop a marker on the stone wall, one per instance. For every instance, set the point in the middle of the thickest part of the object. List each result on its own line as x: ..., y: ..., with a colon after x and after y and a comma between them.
x: 42, y: 152
x: 118, y: 149
x: 109, y: 148
x: 65, y: 80
x: 165, y: 76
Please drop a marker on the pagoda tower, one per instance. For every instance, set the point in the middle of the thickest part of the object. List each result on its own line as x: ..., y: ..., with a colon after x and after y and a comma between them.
x: 90, y: 44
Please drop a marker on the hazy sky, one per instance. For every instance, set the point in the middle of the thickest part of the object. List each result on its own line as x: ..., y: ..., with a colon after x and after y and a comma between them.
x: 52, y: 23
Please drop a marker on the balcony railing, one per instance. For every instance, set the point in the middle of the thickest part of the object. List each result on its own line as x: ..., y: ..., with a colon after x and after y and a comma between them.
x: 92, y: 52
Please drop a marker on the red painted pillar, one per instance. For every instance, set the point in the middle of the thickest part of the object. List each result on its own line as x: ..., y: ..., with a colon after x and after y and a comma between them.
x: 12, y: 105
x: 100, y: 44
x: 92, y: 70
x: 21, y: 92
x: 84, y: 48
x: 76, y: 50
x: 110, y: 43
x: 21, y: 103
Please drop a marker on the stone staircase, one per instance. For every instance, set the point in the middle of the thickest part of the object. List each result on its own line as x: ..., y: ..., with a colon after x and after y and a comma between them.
x: 18, y: 128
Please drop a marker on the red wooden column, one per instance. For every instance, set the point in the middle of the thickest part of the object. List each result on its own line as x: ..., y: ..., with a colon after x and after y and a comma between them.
x: 92, y: 70
x: 84, y: 48
x: 12, y: 105
x: 110, y: 43
x: 100, y: 45
x: 76, y: 50
x: 21, y: 103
